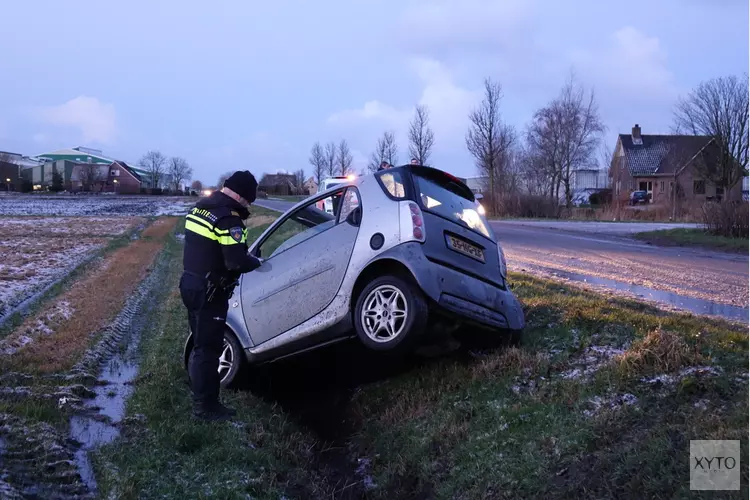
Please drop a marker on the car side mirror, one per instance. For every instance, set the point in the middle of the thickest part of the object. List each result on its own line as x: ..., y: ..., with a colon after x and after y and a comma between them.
x: 355, y: 217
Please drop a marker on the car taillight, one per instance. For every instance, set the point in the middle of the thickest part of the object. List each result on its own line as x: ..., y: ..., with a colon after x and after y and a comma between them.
x: 417, y: 222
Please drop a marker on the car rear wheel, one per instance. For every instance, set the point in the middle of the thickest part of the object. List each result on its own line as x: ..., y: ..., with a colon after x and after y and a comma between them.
x: 390, y: 314
x: 231, y: 359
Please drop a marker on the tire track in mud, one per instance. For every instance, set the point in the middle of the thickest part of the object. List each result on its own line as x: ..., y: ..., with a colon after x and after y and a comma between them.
x: 64, y: 472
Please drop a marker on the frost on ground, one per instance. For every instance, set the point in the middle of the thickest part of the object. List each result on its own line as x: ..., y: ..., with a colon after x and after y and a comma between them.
x: 71, y: 205
x: 591, y: 360
x: 614, y: 402
x: 31, y: 263
x: 45, y: 324
x: 66, y: 226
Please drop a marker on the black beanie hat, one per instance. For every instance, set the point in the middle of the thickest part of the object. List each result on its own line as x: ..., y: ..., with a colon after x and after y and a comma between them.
x: 244, y: 184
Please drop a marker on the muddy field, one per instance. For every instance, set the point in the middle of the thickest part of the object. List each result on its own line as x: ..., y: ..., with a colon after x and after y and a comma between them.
x: 94, y: 205
x: 40, y: 251
x: 61, y: 348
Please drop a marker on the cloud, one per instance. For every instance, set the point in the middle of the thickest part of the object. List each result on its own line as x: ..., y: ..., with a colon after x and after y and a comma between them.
x: 96, y: 121
x: 457, y: 27
x: 448, y: 105
x: 632, y: 64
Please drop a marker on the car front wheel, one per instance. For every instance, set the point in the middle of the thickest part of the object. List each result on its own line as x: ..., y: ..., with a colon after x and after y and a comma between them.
x: 390, y: 314
x: 231, y: 359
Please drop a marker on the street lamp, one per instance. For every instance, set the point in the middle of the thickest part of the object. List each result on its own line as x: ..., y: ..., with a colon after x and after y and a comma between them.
x: 115, y: 181
x: 7, y: 184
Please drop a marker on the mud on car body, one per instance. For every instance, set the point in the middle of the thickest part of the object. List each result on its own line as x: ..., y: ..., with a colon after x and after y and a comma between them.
x: 405, y: 248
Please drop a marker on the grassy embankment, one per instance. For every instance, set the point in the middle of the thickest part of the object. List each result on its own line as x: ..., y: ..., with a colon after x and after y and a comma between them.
x: 694, y: 238
x: 601, y: 400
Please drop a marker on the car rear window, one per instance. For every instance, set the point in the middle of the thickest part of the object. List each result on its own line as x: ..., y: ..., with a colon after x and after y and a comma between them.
x: 442, y: 195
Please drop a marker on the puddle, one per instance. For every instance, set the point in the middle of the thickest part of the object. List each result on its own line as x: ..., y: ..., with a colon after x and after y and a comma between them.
x: 107, y: 409
x: 697, y: 306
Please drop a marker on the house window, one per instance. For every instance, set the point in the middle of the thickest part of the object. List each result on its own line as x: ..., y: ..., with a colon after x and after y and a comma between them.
x: 699, y: 187
x: 116, y: 173
x: 661, y: 186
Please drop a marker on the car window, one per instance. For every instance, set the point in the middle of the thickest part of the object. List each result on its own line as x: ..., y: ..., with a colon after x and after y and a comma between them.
x: 303, y: 224
x: 436, y: 195
x: 349, y: 202
x: 393, y: 183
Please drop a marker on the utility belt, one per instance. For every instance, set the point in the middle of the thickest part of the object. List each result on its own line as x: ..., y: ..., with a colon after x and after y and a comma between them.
x: 217, y: 282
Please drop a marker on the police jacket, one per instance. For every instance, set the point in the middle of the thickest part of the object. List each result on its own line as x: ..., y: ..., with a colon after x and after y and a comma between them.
x: 216, y: 238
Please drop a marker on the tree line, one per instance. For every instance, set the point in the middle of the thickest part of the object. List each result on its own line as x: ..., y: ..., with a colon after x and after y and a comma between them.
x: 158, y: 165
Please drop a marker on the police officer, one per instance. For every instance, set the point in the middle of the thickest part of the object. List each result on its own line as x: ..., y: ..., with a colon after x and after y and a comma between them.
x: 215, y: 256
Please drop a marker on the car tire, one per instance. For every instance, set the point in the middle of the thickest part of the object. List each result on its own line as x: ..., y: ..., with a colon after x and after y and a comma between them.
x: 369, y: 316
x: 231, y: 361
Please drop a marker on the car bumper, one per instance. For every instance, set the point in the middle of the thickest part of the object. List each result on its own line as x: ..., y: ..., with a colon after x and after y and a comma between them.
x: 459, y: 294
x: 478, y: 301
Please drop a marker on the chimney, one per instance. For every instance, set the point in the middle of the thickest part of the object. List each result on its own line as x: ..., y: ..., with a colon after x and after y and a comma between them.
x: 636, y: 132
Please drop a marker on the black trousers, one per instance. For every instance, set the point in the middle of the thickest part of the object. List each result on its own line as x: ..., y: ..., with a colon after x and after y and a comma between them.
x: 207, y: 322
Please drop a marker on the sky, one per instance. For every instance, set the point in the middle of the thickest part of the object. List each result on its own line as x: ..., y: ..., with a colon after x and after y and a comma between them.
x: 233, y: 85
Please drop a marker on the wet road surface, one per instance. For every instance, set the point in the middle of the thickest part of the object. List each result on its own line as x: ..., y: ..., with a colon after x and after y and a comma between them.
x: 700, y: 281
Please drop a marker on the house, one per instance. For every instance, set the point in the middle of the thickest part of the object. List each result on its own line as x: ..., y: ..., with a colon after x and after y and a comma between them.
x: 123, y: 179
x: 278, y: 184
x: 310, y: 186
x: 658, y: 163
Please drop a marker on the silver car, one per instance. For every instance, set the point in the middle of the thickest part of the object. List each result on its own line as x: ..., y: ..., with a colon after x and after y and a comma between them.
x: 405, y: 250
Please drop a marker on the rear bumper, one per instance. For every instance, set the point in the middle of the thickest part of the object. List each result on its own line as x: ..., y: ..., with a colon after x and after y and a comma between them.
x: 477, y: 300
x: 459, y: 294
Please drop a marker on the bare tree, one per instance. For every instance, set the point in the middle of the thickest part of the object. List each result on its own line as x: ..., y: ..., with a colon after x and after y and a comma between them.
x: 719, y: 108
x: 565, y: 135
x: 386, y: 150
x: 153, y: 162
x: 421, y: 137
x: 299, y: 181
x: 318, y: 162
x: 344, y: 158
x: 489, y: 141
x: 222, y: 178
x: 179, y: 171
x: 197, y: 186
x: 330, y: 158
x: 91, y: 174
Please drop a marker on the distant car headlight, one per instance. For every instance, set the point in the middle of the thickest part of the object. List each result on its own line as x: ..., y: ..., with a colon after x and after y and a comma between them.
x: 503, y: 263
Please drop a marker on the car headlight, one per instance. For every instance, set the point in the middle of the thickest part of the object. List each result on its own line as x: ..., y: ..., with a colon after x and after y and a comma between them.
x: 503, y: 263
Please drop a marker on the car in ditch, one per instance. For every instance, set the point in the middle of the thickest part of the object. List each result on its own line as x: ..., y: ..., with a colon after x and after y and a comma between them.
x: 406, y: 249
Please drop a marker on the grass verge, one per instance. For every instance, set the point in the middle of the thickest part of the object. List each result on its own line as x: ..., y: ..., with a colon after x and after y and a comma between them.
x: 165, y: 453
x: 601, y: 400
x: 694, y: 238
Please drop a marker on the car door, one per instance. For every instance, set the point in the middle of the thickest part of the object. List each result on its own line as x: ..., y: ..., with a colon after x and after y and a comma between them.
x: 307, y: 256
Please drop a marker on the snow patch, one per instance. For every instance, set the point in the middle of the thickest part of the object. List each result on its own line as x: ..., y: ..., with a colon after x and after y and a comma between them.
x: 672, y: 379
x: 614, y: 402
x: 591, y: 360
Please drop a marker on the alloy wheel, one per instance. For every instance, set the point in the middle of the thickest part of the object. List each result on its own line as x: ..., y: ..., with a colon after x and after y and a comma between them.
x: 226, y: 359
x: 384, y: 313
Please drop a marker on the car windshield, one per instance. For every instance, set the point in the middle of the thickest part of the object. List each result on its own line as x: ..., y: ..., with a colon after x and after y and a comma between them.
x: 441, y: 195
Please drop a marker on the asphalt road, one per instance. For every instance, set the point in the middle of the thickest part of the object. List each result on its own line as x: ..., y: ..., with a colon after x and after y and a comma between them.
x: 691, y: 279
x: 604, y: 257
x: 278, y: 205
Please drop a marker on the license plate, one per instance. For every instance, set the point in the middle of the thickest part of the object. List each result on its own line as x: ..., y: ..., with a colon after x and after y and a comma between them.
x: 465, y: 248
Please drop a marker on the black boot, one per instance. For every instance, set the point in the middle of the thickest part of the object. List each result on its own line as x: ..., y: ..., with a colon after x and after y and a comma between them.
x: 213, y: 412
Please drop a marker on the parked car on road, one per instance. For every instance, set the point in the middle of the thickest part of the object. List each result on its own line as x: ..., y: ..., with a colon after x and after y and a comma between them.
x: 405, y: 249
